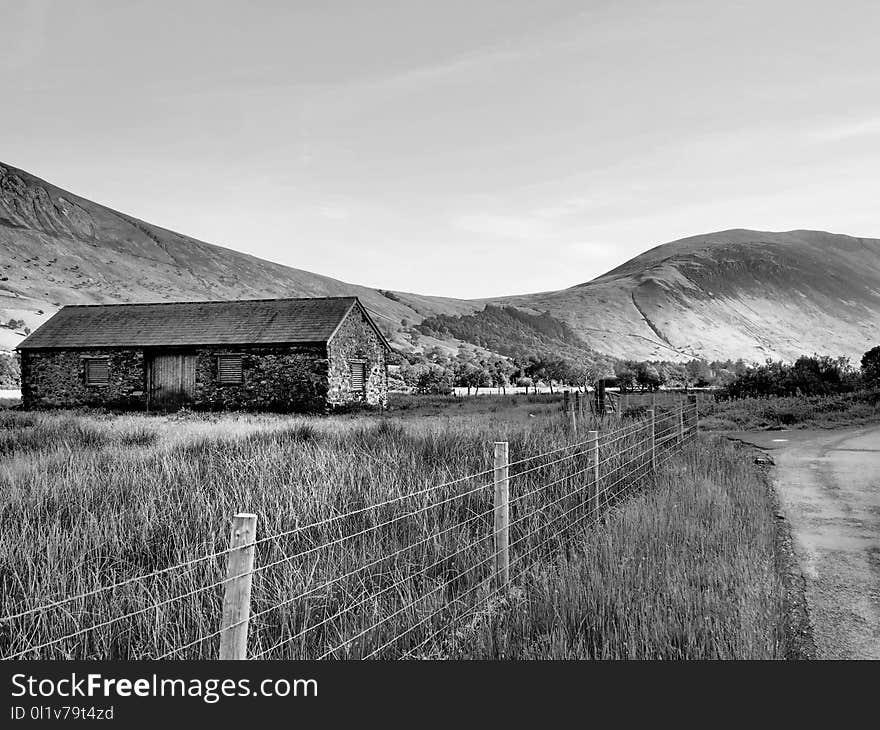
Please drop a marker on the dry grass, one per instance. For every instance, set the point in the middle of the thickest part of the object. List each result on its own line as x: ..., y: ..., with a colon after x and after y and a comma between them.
x: 94, y: 499
x: 686, y: 570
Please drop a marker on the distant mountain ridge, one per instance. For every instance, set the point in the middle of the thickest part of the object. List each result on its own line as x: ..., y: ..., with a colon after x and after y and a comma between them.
x: 735, y: 293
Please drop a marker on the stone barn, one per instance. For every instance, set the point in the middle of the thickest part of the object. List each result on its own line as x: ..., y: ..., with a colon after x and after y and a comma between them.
x: 275, y: 354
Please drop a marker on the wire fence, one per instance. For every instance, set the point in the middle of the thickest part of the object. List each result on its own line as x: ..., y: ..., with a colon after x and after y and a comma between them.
x: 661, y: 398
x: 400, y: 578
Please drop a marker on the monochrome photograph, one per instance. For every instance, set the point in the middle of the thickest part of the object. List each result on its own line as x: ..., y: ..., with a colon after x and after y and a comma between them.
x: 434, y: 332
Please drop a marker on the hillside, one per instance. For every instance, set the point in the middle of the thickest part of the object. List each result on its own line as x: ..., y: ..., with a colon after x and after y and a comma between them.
x: 58, y: 248
x: 732, y: 294
x: 512, y: 332
x: 721, y: 295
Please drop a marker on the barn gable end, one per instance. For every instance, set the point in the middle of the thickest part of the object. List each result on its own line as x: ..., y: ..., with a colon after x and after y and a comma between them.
x: 357, y: 365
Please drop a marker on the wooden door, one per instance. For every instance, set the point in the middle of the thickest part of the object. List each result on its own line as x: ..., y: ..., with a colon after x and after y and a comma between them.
x: 172, y: 379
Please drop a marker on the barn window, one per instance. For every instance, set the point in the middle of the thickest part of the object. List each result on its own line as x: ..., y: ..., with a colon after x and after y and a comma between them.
x: 97, y: 371
x: 229, y: 369
x: 358, y: 375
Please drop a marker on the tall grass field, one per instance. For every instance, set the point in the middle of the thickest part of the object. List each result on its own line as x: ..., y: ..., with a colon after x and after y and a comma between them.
x: 375, y: 537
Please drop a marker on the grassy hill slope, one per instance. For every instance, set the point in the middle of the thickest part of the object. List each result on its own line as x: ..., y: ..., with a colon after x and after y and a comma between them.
x: 731, y: 294
x: 57, y: 248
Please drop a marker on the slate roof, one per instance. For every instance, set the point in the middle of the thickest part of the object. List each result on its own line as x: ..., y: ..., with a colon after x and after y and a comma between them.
x: 172, y: 324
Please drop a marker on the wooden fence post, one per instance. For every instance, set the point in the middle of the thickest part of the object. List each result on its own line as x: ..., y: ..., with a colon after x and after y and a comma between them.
x: 652, y: 424
x: 237, y: 597
x: 577, y: 402
x: 565, y: 397
x: 502, y: 511
x: 680, y: 423
x: 696, y: 403
x: 572, y: 416
x: 593, y: 437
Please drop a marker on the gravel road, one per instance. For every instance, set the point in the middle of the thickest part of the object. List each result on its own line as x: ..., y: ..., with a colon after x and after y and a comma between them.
x: 829, y: 487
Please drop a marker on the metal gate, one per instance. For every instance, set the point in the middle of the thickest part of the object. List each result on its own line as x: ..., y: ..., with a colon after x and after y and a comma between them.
x: 172, y: 379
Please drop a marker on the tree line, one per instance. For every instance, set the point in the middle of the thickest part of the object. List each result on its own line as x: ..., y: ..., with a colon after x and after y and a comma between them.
x: 808, y: 375
x: 438, y: 371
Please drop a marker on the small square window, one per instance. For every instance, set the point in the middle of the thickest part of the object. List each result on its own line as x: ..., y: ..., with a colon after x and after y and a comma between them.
x: 358, y: 376
x: 97, y: 371
x: 229, y: 369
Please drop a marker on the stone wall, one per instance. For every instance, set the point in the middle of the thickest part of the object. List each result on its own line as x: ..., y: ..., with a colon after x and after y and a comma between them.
x: 286, y: 378
x: 357, y: 340
x: 56, y: 379
x: 290, y: 378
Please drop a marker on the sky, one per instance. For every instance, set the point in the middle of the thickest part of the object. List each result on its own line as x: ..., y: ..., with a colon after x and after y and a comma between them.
x: 465, y: 149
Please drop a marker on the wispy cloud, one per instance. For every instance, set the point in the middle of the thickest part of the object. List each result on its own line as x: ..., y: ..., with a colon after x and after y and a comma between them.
x: 549, y: 219
x: 563, y: 209
x: 463, y: 67
x: 846, y: 130
x: 334, y: 212
x: 518, y: 227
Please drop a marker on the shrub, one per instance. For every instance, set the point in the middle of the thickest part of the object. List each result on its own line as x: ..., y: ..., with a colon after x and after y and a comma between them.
x: 808, y: 375
x: 10, y: 370
x: 871, y: 366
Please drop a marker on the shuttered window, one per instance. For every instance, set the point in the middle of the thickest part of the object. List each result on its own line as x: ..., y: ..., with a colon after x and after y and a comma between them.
x: 98, y: 371
x: 358, y: 376
x: 229, y: 369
